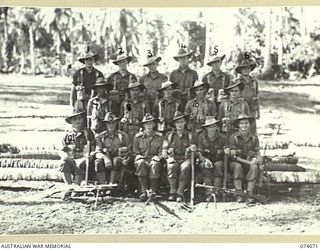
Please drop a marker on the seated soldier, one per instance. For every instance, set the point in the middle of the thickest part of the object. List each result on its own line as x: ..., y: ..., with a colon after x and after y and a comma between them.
x: 113, y: 151
x: 147, y: 149
x: 165, y: 108
x: 230, y: 109
x: 244, y: 145
x: 210, y: 147
x: 199, y: 107
x: 133, y: 109
x: 99, y: 105
x: 178, y: 164
x: 74, y: 151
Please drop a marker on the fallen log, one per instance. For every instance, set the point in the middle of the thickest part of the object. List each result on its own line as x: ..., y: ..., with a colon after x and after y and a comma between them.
x: 295, y: 177
x: 281, y: 167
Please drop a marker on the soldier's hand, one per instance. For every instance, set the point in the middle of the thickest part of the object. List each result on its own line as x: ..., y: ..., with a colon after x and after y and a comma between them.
x: 125, y: 162
x: 193, y: 148
x: 227, y: 151
x: 208, y: 163
x: 124, y: 120
x: 225, y: 120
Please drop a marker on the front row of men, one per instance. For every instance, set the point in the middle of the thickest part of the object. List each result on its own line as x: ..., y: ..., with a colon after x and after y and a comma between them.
x: 155, y: 158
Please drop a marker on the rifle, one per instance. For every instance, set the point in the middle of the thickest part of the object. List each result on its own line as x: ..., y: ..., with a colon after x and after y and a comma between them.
x: 89, y: 148
x: 192, y: 179
x: 263, y: 170
x: 225, y: 161
x: 161, y: 123
x: 227, y: 191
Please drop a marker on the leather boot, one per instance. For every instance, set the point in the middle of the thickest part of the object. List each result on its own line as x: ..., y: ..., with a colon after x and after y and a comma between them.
x: 250, y: 200
x: 240, y: 196
x: 67, y: 178
x: 154, y: 185
x: 143, y: 180
x: 237, y: 184
x: 101, y: 177
x: 181, y: 186
x: 113, y: 176
x: 217, y: 181
x: 173, y: 189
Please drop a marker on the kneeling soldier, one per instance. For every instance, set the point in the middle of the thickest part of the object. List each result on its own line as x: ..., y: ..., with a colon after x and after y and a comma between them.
x: 147, y: 149
x: 74, y: 148
x: 113, y: 150
x: 178, y: 165
x: 210, y: 147
x: 244, y: 146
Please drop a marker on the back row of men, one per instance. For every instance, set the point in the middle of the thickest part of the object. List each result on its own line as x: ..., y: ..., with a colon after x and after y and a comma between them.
x: 153, y: 124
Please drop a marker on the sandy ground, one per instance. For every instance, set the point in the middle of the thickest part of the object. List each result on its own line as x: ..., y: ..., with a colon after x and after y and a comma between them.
x: 36, y: 120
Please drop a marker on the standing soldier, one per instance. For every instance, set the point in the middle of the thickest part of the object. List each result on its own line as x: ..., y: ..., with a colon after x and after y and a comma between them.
x: 199, y: 107
x: 217, y: 79
x: 147, y: 149
x: 113, y: 150
x: 184, y: 77
x: 153, y: 79
x: 99, y: 105
x: 133, y: 109
x: 83, y: 80
x: 230, y: 109
x: 244, y: 145
x: 120, y: 80
x: 175, y: 147
x: 211, y: 155
x: 250, y: 91
x: 165, y: 108
x: 74, y: 150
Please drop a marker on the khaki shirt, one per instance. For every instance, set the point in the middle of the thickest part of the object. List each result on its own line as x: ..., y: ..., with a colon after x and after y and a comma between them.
x: 121, y: 82
x: 185, y: 79
x: 112, y: 142
x: 212, y: 148
x: 75, y: 143
x: 216, y: 82
x: 250, y: 91
x: 153, y: 82
x: 244, y: 145
x: 198, y: 111
x: 98, y: 107
x: 82, y: 76
x: 134, y: 111
x: 179, y: 144
x: 147, y: 146
x: 166, y: 109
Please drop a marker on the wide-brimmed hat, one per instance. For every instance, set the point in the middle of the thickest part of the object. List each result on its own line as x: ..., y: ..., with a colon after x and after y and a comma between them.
x: 242, y: 117
x: 110, y: 117
x: 234, y: 84
x: 245, y: 63
x: 86, y: 55
x: 74, y: 114
x: 151, y: 59
x: 198, y: 84
x: 167, y: 84
x: 148, y: 118
x: 101, y: 82
x: 182, y: 53
x: 121, y: 57
x: 178, y: 115
x: 135, y: 85
x: 210, y: 120
x: 215, y: 58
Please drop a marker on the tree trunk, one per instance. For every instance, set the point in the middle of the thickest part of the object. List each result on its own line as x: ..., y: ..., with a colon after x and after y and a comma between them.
x: 267, y: 72
x: 32, y: 56
x: 207, y: 43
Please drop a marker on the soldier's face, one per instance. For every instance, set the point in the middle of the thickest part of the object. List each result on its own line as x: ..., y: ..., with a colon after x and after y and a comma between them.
x: 234, y: 93
x: 111, y: 126
x: 216, y: 65
x: 123, y: 64
x: 244, y: 125
x: 77, y: 122
x: 135, y: 92
x: 148, y: 126
x: 168, y: 92
x: 183, y: 62
x: 212, y: 130
x: 89, y: 62
x: 245, y: 71
x: 180, y: 124
x: 200, y: 91
x: 153, y: 66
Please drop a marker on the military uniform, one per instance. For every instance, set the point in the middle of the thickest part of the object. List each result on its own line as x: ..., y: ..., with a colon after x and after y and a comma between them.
x: 185, y: 79
x: 147, y: 151
x: 152, y: 82
x: 120, y: 83
x: 83, y: 80
x: 74, y: 144
x: 111, y: 146
x: 133, y: 112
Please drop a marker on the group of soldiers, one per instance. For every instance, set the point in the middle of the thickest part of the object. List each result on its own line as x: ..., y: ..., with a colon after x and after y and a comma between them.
x: 144, y: 130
